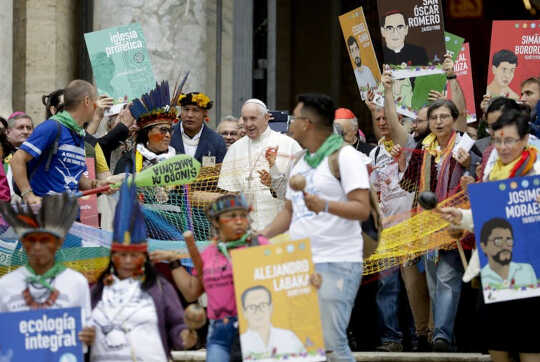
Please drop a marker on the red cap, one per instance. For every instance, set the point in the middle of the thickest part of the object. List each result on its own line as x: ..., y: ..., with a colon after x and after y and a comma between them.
x: 344, y: 113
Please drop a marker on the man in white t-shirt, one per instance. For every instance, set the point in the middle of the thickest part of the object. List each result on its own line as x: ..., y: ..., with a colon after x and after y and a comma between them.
x: 328, y: 212
x: 43, y: 282
x: 261, y: 336
x: 246, y: 158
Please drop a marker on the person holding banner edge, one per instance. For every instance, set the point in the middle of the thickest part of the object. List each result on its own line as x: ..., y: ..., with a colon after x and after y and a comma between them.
x: 137, y: 312
x: 505, y: 330
x: 44, y: 282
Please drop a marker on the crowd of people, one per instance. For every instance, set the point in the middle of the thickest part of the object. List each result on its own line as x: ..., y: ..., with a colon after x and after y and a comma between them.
x: 136, y: 309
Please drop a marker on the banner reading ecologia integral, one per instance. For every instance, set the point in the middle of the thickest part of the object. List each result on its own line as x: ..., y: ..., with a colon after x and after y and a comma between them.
x: 412, y: 36
x: 44, y: 335
x: 360, y: 48
x: 507, y: 230
x: 278, y: 309
x: 514, y: 56
x: 120, y: 61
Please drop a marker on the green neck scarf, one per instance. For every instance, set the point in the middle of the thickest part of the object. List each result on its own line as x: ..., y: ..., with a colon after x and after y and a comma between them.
x: 42, y: 279
x: 224, y: 247
x: 330, y: 145
x: 66, y: 120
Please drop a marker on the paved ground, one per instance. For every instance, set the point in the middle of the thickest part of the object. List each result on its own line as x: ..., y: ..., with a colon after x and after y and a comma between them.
x: 191, y: 356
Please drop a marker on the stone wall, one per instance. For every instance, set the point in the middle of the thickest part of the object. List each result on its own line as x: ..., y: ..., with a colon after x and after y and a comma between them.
x: 6, y: 63
x: 180, y: 36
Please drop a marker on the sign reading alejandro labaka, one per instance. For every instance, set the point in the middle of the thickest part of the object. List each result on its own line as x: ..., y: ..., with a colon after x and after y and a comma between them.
x: 507, y: 230
x: 41, y: 335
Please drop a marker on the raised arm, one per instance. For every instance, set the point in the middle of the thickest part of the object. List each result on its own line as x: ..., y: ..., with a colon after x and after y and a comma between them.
x: 397, y: 131
x: 457, y: 93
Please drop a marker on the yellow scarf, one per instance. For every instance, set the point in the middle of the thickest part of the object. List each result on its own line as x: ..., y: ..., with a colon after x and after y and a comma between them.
x: 387, y: 143
x: 500, y: 171
x: 521, y: 166
x: 431, y: 145
x: 138, y: 162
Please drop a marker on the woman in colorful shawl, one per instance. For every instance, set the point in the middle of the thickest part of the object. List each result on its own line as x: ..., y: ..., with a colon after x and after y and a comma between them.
x: 439, y: 169
x: 508, y: 326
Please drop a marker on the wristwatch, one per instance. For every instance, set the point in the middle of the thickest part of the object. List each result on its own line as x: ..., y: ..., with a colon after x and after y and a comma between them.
x: 175, y: 264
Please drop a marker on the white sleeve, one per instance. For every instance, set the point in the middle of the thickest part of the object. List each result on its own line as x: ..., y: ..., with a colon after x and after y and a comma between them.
x: 353, y: 170
x: 228, y: 179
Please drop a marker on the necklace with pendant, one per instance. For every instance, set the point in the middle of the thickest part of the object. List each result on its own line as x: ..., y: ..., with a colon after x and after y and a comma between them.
x: 31, y: 302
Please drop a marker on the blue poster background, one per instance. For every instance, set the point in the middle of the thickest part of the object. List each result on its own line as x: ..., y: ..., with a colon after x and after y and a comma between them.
x: 22, y: 333
x: 515, y: 201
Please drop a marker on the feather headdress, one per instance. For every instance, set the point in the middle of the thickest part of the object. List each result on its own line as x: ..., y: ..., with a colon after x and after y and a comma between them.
x: 154, y: 107
x: 129, y: 227
x: 57, y: 214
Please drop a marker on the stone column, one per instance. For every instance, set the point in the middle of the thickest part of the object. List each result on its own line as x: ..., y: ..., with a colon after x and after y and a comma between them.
x: 176, y: 33
x: 6, y: 62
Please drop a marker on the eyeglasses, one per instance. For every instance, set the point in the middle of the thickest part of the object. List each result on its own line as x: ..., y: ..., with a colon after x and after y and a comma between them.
x: 294, y: 118
x: 499, y: 241
x: 390, y: 28
x: 262, y: 307
x: 164, y: 130
x: 226, y: 133
x: 442, y: 117
x: 418, y: 120
x: 509, y: 141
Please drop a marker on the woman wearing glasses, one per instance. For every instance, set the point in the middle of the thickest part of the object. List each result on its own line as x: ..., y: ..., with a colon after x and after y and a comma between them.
x: 506, y: 322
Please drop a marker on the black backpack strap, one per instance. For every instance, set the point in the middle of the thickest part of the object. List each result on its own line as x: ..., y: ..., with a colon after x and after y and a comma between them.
x: 376, y: 155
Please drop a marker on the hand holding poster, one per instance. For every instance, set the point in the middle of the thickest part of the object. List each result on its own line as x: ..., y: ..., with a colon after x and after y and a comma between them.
x: 358, y: 42
x: 278, y: 309
x: 41, y: 335
x: 413, y: 36
x: 463, y: 70
x: 120, y: 61
x: 507, y: 231
x: 514, y: 56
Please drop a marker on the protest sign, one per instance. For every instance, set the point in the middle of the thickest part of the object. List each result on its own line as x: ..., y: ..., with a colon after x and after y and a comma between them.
x: 177, y: 170
x: 45, y: 335
x: 463, y: 70
x: 88, y: 203
x: 360, y: 48
x: 514, y: 56
x: 120, y: 61
x: 507, y: 230
x: 413, y: 36
x: 274, y: 294
x: 422, y: 85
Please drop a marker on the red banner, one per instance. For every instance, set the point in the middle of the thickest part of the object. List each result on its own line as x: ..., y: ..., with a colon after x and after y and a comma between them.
x: 88, y: 204
x: 463, y: 70
x: 514, y: 56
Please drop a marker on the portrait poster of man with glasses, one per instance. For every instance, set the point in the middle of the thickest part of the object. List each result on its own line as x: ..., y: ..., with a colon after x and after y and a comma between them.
x: 412, y: 34
x: 506, y: 218
x: 277, y: 303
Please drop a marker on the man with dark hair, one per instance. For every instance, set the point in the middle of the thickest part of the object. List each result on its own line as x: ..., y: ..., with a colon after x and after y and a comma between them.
x: 328, y: 210
x: 530, y: 95
x: 503, y: 66
x: 261, y: 337
x: 364, y: 76
x: 396, y: 51
x: 20, y: 126
x: 52, y: 159
x: 497, y: 242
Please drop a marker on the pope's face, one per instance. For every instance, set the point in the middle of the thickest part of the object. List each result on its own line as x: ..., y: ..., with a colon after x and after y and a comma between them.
x: 255, y: 120
x: 504, y: 73
x: 394, y: 31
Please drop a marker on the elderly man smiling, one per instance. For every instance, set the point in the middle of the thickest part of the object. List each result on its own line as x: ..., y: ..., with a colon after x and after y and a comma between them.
x: 247, y: 156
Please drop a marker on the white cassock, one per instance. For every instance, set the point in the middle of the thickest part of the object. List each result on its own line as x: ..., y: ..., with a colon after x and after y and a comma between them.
x: 239, y: 172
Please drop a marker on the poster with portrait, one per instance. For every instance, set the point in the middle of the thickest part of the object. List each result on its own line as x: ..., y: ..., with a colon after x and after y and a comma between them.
x: 278, y: 308
x: 463, y: 70
x: 437, y: 82
x: 360, y: 48
x: 412, y: 36
x: 41, y: 335
x: 507, y: 230
x: 120, y: 61
x: 514, y: 56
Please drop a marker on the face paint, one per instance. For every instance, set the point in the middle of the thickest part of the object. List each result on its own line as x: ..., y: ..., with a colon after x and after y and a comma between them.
x: 156, y: 137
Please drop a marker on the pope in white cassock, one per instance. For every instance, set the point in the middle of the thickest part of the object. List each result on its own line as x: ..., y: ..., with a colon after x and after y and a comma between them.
x: 247, y: 156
